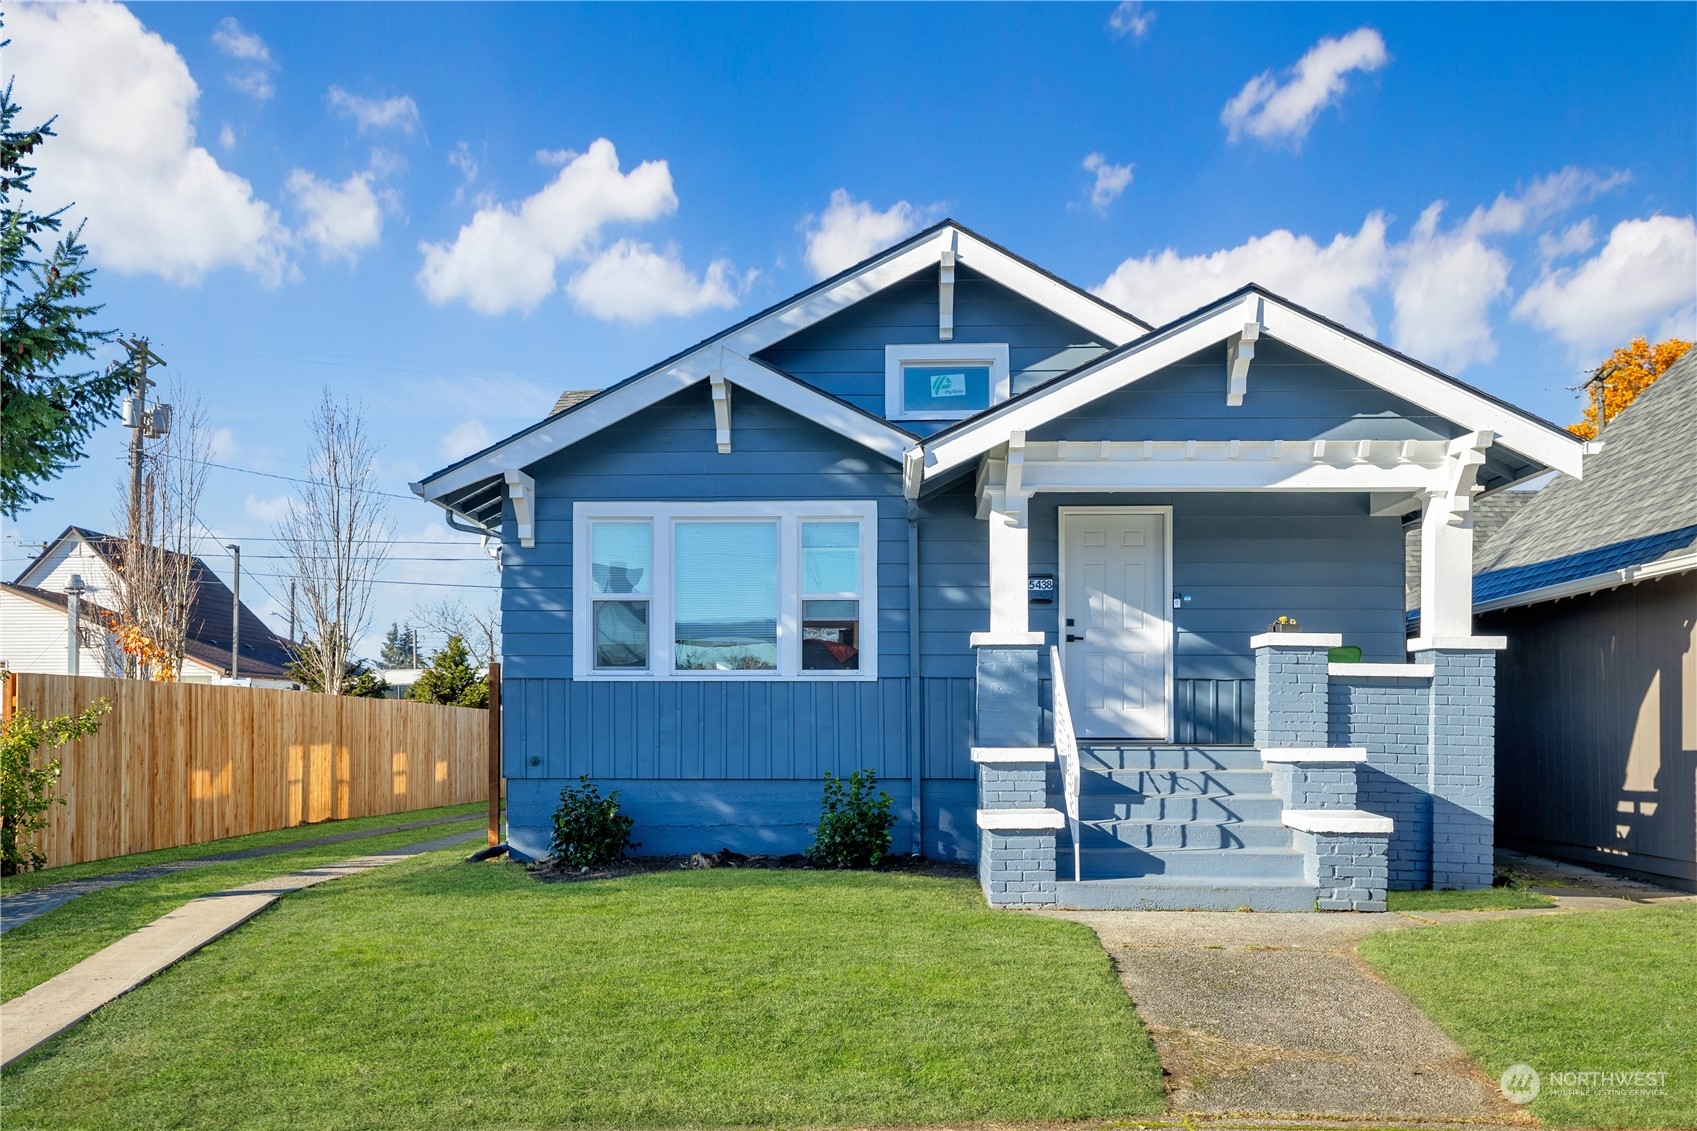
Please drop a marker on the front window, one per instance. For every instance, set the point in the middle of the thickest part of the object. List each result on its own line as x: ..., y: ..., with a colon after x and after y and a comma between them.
x: 722, y: 590
x: 944, y: 381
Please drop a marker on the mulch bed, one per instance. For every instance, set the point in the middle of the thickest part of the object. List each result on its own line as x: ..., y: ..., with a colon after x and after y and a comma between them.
x: 547, y: 872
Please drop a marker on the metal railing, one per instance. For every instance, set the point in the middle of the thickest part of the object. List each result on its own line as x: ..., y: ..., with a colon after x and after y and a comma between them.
x: 1066, y: 747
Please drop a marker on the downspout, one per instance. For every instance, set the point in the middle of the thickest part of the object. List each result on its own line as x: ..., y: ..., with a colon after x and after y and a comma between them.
x: 915, y: 690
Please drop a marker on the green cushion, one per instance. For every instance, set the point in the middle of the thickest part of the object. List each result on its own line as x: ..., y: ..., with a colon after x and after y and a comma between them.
x: 1348, y: 654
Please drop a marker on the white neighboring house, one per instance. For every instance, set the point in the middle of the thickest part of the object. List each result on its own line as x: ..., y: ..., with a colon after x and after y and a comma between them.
x: 35, y: 623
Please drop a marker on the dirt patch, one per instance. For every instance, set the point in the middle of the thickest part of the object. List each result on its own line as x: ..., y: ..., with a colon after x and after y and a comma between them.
x: 547, y: 872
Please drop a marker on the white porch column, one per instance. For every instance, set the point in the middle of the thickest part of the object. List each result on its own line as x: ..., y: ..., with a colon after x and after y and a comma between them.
x: 1010, y: 569
x: 1446, y: 543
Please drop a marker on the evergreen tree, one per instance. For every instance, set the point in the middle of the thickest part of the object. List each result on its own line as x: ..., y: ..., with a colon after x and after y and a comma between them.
x: 358, y: 680
x: 451, y: 679
x: 46, y: 413
x: 400, y: 647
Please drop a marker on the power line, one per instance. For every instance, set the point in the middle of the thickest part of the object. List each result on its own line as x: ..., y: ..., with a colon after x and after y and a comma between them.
x: 381, y: 581
x: 309, y: 482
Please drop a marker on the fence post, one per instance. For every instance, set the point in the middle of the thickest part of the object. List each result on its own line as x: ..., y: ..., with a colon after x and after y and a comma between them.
x: 494, y: 679
x: 9, y: 697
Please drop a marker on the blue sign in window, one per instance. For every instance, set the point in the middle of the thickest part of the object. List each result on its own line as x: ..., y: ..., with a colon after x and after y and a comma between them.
x: 947, y: 390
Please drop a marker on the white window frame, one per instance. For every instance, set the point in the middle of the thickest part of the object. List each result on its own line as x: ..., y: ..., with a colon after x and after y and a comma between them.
x: 661, y: 644
x: 898, y: 358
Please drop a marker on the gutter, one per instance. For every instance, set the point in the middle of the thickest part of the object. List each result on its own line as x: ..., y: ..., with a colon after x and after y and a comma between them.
x: 915, y: 689
x: 1578, y: 587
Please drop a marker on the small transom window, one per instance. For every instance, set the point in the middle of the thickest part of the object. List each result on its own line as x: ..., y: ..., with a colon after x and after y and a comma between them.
x: 948, y: 381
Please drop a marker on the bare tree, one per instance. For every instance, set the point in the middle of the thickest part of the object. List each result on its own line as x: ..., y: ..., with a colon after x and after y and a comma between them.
x: 336, y: 536
x: 478, y: 625
x: 158, y: 574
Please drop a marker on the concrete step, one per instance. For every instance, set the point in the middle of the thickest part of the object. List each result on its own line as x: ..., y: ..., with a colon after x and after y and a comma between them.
x: 1169, y: 758
x: 1161, y: 894
x: 1125, y: 805
x: 1184, y: 833
x: 1099, y: 783
x: 1216, y: 864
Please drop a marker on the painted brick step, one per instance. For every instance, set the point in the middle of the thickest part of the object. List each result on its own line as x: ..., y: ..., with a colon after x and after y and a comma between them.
x: 1171, y: 782
x: 1128, y: 806
x: 1216, y: 864
x: 1184, y: 834
x: 1169, y: 758
x: 1146, y: 894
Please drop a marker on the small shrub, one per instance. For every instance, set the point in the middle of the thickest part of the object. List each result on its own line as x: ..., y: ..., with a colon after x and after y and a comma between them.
x: 588, y: 828
x: 854, y: 826
x: 26, y: 789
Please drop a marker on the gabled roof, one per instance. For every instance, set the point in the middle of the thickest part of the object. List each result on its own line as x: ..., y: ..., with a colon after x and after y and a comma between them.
x: 1543, y: 443
x: 473, y: 486
x: 262, y: 651
x: 1634, y: 515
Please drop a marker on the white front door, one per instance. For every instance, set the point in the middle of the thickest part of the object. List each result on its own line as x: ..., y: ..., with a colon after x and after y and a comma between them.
x: 1115, y: 631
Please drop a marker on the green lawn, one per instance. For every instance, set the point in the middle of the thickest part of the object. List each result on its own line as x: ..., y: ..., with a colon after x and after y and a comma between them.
x: 58, y: 940
x: 437, y: 994
x: 28, y: 880
x: 1592, y: 992
x: 1486, y: 899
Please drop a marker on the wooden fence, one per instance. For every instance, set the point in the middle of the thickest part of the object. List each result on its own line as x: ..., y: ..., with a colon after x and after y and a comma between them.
x: 179, y: 763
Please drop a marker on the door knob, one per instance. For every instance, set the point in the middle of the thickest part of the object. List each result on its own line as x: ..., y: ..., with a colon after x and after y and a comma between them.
x: 1071, y: 639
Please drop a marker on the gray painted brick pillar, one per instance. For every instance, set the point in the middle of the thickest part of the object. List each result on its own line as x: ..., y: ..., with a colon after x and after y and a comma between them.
x: 1348, y: 869
x: 1016, y: 844
x: 1007, y: 709
x: 1461, y: 764
x: 1292, y: 690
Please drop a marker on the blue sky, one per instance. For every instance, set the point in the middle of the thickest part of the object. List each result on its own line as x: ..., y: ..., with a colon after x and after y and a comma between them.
x: 452, y: 212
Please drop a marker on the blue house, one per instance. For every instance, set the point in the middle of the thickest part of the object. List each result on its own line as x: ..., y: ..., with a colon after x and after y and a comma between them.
x: 953, y: 519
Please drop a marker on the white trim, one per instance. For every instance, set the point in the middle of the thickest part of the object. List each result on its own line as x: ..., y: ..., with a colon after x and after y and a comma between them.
x: 721, y: 411
x: 946, y: 296
x: 1314, y: 754
x: 1370, y: 363
x: 1346, y: 821
x: 1004, y: 754
x: 1004, y: 639
x: 521, y: 488
x: 1296, y: 640
x: 1165, y: 513
x: 662, y: 516
x: 791, y: 318
x: 1578, y: 587
x: 1240, y: 351
x: 993, y: 355
x: 1394, y: 671
x: 1015, y: 820
x: 1458, y: 643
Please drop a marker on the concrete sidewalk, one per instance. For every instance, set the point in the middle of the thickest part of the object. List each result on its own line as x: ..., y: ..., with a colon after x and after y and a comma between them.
x: 20, y: 907
x: 49, y: 1009
x: 1274, y: 1015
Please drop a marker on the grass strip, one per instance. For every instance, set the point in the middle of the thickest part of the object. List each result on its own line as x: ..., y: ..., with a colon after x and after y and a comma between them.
x: 437, y: 994
x: 1486, y: 899
x: 28, y: 881
x: 1598, y: 991
x: 63, y: 937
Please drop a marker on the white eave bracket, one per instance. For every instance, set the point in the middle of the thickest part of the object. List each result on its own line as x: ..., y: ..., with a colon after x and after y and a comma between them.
x: 946, y: 296
x: 521, y: 488
x: 1240, y: 351
x: 1461, y: 473
x: 721, y: 410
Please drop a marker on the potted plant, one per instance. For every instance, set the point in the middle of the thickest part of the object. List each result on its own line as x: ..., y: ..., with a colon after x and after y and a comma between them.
x: 1284, y: 624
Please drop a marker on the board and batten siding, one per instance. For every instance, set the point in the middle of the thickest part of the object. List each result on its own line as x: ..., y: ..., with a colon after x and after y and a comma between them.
x: 844, y: 354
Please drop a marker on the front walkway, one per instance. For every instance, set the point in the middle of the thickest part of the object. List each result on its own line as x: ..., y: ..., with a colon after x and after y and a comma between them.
x: 60, y: 1002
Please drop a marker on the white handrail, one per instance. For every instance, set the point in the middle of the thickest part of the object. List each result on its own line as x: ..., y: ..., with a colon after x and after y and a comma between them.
x: 1066, y: 747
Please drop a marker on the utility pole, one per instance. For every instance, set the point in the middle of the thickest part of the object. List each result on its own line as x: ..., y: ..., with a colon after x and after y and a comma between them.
x: 73, y: 621
x: 235, y: 610
x: 136, y: 418
x: 1599, y: 384
x: 291, y: 612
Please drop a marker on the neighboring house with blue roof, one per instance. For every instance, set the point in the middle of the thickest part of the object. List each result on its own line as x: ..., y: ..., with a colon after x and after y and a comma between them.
x: 1595, y: 586
x: 900, y: 520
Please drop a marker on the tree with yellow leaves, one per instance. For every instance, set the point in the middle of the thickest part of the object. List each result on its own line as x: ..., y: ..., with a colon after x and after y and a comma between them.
x: 1628, y: 371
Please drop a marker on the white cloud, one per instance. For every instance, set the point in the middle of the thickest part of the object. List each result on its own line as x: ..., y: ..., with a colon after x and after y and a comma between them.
x: 1445, y: 286
x: 460, y: 158
x: 1644, y: 279
x: 468, y: 436
x: 340, y: 220
x: 1131, y: 18
x: 1573, y: 240
x: 1336, y: 280
x: 631, y: 282
x: 156, y: 202
x: 1273, y: 112
x: 270, y: 511
x: 1111, y: 180
x: 254, y: 79
x: 850, y: 230
x: 224, y: 445
x: 399, y: 112
x: 227, y: 137
x: 504, y: 259
x: 555, y: 157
